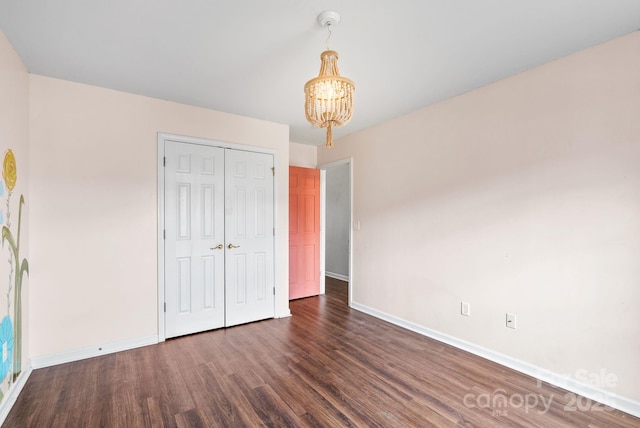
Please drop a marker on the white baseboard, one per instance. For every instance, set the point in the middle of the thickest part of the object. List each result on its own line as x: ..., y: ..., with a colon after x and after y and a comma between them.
x: 93, y: 351
x: 337, y: 276
x: 591, y: 392
x: 12, y: 394
x: 284, y: 314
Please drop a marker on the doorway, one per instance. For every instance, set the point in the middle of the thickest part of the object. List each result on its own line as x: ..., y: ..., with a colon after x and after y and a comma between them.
x: 337, y: 222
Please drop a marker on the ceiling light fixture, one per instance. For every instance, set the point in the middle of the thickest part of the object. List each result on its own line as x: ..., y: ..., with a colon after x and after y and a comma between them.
x: 329, y: 97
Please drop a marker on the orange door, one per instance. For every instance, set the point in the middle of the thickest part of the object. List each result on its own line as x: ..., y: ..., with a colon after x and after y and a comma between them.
x: 304, y: 232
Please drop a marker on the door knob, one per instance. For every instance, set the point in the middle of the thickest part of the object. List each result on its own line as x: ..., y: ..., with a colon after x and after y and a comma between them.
x: 217, y: 247
x: 231, y: 246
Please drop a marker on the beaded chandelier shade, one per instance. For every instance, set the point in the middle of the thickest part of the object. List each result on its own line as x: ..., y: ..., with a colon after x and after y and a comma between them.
x: 329, y: 97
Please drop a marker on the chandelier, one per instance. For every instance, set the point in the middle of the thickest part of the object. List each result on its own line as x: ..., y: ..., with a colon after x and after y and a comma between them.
x: 329, y: 97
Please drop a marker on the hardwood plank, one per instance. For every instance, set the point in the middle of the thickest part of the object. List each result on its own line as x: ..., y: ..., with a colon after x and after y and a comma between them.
x: 153, y: 413
x: 327, y: 365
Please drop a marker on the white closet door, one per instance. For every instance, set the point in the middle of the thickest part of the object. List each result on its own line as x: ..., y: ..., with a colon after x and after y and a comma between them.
x: 249, y: 232
x: 194, y: 242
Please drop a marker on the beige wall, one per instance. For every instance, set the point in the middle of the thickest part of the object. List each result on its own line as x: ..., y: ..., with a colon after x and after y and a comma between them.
x: 522, y: 196
x: 94, y: 190
x: 303, y: 155
x: 14, y: 135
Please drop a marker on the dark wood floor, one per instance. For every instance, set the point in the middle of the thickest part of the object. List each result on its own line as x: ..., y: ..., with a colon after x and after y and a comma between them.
x: 325, y: 366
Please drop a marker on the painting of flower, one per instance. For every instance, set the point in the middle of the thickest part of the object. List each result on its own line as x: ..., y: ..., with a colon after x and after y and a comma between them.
x: 6, y: 346
x: 13, y: 361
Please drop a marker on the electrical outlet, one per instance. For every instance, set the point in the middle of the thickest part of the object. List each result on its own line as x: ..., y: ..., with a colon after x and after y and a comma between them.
x: 511, y: 320
x: 465, y: 309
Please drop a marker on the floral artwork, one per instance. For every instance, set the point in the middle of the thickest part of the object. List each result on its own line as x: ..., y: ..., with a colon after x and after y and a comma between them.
x: 11, y: 324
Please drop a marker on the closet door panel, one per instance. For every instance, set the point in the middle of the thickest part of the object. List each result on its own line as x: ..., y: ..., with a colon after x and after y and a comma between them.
x: 249, y: 231
x: 194, y: 238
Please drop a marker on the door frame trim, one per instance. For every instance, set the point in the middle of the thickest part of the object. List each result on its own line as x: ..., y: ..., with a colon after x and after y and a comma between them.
x: 162, y: 138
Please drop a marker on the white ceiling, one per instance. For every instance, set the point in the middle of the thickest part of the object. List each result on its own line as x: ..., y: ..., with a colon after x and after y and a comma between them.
x: 253, y: 57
